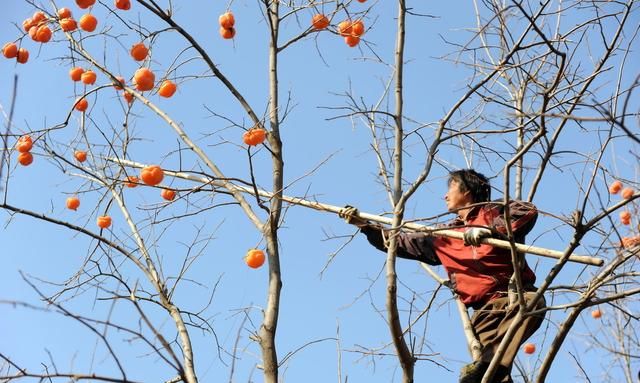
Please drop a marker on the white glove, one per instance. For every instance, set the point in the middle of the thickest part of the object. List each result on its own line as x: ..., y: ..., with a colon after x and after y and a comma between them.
x: 350, y: 215
x: 473, y: 235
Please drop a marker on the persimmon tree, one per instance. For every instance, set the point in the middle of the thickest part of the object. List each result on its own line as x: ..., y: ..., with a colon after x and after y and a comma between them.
x: 544, y: 106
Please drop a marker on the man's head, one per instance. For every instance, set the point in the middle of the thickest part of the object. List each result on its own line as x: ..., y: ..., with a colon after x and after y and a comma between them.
x: 465, y: 188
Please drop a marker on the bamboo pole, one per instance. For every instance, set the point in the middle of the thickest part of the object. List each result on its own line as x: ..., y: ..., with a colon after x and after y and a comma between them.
x: 523, y: 248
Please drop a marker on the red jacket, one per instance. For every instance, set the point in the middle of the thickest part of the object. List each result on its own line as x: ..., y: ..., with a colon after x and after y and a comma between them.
x: 478, y: 274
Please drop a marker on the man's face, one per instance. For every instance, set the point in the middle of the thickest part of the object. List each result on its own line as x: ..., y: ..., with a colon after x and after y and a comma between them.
x: 455, y: 199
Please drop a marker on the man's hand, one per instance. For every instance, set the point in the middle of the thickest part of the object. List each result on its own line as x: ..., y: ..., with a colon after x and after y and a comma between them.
x: 473, y: 235
x: 350, y: 215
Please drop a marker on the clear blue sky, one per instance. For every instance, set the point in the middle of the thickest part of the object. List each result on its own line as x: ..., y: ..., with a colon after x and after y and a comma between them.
x: 349, y: 296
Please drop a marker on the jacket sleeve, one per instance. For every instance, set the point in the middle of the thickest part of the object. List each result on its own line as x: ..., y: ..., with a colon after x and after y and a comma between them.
x: 523, y: 217
x: 416, y: 246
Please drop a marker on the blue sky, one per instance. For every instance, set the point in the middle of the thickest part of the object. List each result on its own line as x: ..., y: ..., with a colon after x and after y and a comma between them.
x: 346, y: 301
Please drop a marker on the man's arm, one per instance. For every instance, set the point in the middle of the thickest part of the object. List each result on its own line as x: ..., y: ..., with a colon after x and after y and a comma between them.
x: 523, y: 217
x: 415, y: 246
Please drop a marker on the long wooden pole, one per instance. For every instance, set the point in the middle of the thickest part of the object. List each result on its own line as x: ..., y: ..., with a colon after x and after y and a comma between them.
x: 523, y: 248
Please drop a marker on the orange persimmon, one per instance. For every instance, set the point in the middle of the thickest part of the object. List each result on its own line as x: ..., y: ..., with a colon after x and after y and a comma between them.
x: 73, y: 203
x: 167, y: 89
x: 254, y: 136
x: 10, y: 50
x: 82, y: 104
x: 152, y: 175
x: 64, y: 13
x: 76, y: 73
x: 124, y: 5
x: 103, y: 221
x: 25, y: 159
x: 144, y: 79
x: 23, y: 56
x: 68, y: 24
x: 615, y: 187
x: 88, y: 22
x: 529, y: 348
x: 168, y: 194
x: 89, y: 77
x: 227, y: 20
x: 24, y: 144
x: 254, y: 258
x: 80, y: 155
x: 227, y: 33
x: 139, y: 51
x: 627, y: 193
x: 132, y: 181
x: 319, y: 21
x: 84, y: 4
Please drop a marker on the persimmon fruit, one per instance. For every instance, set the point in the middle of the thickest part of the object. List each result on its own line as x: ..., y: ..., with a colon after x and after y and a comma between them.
x: 254, y: 258
x: 25, y: 159
x: 144, y: 79
x: 73, y: 203
x: 89, y: 77
x: 627, y: 193
x: 68, y: 25
x: 132, y: 181
x: 43, y: 34
x: 227, y: 33
x: 352, y: 41
x: 64, y: 13
x: 88, y: 22
x: 139, y: 51
x: 596, y: 314
x: 80, y: 155
x: 357, y: 28
x: 167, y: 89
x: 120, y: 81
x: 82, y: 104
x: 76, y: 73
x: 27, y: 24
x: 124, y: 5
x: 254, y: 136
x: 10, y: 50
x: 103, y: 221
x: 529, y: 348
x: 24, y: 144
x: 227, y: 20
x: 345, y: 27
x: 128, y: 96
x: 319, y: 21
x: 168, y: 194
x: 23, y: 56
x: 615, y: 187
x: 152, y: 175
x: 84, y: 4
x: 38, y: 17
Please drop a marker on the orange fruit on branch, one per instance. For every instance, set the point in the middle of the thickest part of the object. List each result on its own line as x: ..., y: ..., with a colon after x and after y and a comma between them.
x: 152, y: 175
x: 38, y: 17
x: 144, y: 79
x: 68, y: 24
x: 139, y: 51
x: 352, y: 41
x: 615, y: 187
x: 227, y: 33
x: 103, y: 221
x: 82, y: 104
x: 167, y: 89
x: 88, y: 77
x: 168, y: 194
x: 73, y: 203
x: 227, y: 20
x: 80, y: 155
x: 627, y: 193
x: 345, y: 27
x: 357, y: 28
x: 319, y: 21
x: 43, y: 34
x: 529, y: 348
x: 76, y: 73
x: 128, y: 96
x: 10, y: 50
x: 124, y: 5
x: 23, y: 56
x: 88, y: 22
x: 64, y: 13
x: 119, y: 83
x: 254, y: 136
x: 27, y: 24
x: 596, y: 314
x: 25, y: 159
x: 84, y: 4
x: 254, y: 258
x: 24, y: 144
x: 132, y: 181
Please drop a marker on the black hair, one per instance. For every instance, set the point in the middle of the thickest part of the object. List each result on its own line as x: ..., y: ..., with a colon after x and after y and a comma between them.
x: 473, y: 182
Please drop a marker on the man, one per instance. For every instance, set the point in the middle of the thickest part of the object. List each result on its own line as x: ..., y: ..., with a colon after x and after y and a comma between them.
x: 479, y: 273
